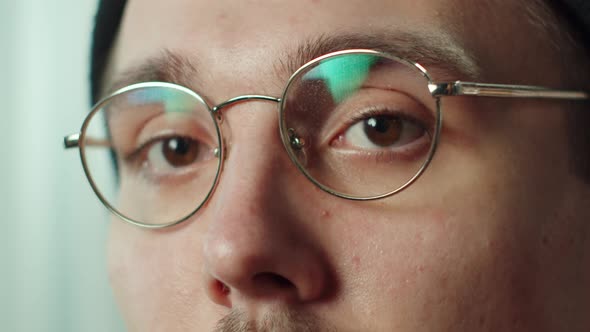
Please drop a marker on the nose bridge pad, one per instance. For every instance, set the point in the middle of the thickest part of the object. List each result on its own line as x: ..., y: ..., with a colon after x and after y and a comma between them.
x: 297, y: 145
x: 296, y: 142
x: 217, y: 152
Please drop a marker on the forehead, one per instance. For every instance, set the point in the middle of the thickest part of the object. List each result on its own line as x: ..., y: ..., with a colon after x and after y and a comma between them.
x: 248, y: 36
x: 261, y: 26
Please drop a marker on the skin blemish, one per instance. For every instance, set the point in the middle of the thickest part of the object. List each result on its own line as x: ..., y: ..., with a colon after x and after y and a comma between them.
x: 325, y: 214
x: 356, y: 261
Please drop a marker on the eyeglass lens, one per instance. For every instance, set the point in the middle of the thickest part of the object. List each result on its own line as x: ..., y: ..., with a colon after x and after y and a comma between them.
x: 361, y: 125
x: 358, y: 125
x: 162, y: 141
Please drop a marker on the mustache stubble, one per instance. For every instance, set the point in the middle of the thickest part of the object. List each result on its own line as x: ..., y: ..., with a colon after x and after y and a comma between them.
x: 274, y: 321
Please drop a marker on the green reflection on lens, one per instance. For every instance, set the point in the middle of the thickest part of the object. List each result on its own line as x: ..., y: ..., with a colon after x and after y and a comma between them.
x: 343, y: 74
x: 174, y: 101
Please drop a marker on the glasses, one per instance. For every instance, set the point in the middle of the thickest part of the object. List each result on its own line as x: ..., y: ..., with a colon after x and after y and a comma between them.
x: 359, y: 124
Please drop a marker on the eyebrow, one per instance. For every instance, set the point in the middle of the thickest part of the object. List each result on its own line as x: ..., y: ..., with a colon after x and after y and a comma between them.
x: 168, y: 66
x: 438, y: 52
x: 435, y: 51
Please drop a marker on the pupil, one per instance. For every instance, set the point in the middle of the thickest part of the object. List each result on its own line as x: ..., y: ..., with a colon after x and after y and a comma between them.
x: 383, y: 130
x: 178, y: 145
x: 180, y: 151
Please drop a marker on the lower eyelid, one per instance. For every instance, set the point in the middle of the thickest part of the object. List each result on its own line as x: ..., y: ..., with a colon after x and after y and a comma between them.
x: 340, y: 142
x: 375, y: 100
x: 413, y: 151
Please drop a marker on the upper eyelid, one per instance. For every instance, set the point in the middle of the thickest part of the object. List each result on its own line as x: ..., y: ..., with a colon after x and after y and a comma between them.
x: 385, y: 111
x: 134, y: 142
x: 424, y: 113
x: 143, y: 148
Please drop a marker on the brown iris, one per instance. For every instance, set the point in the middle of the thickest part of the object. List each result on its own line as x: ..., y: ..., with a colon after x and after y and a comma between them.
x: 180, y: 151
x: 383, y: 130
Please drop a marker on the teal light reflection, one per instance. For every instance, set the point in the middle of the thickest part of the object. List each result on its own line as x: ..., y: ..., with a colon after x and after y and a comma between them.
x: 344, y: 74
x: 174, y: 101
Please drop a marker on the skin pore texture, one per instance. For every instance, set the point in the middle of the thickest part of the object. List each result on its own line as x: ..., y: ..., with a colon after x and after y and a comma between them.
x: 493, y: 237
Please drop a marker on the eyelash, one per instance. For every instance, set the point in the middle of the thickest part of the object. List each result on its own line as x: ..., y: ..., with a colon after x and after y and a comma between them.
x: 135, y: 157
x: 383, y: 155
x: 138, y: 157
x: 376, y: 111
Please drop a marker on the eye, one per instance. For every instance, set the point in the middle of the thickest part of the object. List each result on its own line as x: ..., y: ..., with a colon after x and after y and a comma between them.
x: 174, y: 152
x: 381, y: 131
x: 169, y: 155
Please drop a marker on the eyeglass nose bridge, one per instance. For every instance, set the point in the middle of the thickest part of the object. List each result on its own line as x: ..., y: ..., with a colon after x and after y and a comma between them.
x: 296, y: 142
x: 236, y: 100
x: 244, y: 98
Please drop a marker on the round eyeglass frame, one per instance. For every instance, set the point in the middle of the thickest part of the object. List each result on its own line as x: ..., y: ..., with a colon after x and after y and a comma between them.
x: 99, y: 105
x: 436, y: 128
x: 216, y: 118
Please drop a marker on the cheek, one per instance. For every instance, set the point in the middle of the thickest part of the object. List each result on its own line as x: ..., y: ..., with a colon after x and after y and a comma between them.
x: 156, y: 276
x: 135, y: 278
x: 430, y: 265
x: 389, y: 264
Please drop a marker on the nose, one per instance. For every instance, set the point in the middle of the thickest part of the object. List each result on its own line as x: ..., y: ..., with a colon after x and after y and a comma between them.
x: 259, y: 245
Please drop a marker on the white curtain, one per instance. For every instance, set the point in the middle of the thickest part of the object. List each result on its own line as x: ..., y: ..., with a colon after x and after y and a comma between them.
x: 53, y: 229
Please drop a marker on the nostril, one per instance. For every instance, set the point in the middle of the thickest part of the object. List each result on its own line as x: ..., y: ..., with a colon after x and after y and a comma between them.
x: 273, y: 280
x: 218, y: 292
x: 283, y: 282
x: 223, y: 289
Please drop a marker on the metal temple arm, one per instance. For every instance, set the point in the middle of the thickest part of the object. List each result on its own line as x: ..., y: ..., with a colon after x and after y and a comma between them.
x: 459, y: 88
x: 72, y: 141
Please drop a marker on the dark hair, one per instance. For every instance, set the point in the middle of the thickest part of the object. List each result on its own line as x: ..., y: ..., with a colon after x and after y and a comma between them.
x: 106, y: 24
x: 577, y: 14
x: 568, y: 22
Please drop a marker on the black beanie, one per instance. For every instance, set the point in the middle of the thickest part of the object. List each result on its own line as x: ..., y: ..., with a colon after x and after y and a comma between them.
x: 577, y: 13
x: 109, y: 14
x: 107, y: 21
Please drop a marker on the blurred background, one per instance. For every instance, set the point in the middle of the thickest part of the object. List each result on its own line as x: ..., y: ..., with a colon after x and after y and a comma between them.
x: 52, y: 242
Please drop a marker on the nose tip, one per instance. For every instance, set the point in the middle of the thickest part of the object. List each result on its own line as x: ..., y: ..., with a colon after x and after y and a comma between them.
x: 263, y: 272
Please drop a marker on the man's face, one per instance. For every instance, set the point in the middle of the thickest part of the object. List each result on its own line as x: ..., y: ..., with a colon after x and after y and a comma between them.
x: 491, y: 237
